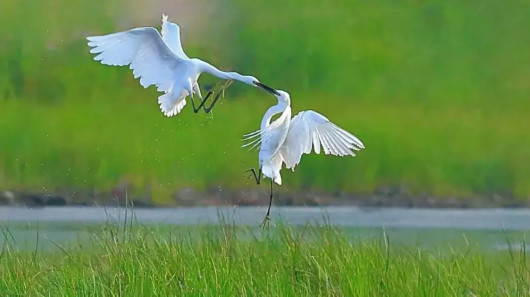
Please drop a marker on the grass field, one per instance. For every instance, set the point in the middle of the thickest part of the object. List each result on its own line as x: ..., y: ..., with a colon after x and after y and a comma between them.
x: 226, y: 260
x: 437, y: 91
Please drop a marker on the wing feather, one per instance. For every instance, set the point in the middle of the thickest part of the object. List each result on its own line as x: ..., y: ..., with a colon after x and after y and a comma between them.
x: 328, y: 143
x: 339, y: 150
x: 311, y: 130
x: 324, y: 142
x: 350, y: 137
x: 316, y: 144
x: 143, y: 50
x: 334, y: 143
x: 171, y: 36
x: 344, y: 143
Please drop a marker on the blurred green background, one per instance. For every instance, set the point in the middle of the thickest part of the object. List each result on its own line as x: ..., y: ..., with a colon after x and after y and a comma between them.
x: 437, y: 90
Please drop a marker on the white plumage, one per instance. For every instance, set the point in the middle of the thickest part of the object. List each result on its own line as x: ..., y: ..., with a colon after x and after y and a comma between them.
x: 160, y: 61
x: 171, y: 36
x: 285, y: 140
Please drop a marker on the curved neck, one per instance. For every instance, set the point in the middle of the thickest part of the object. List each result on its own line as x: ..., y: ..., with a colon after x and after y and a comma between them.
x: 207, y: 67
x: 273, y: 110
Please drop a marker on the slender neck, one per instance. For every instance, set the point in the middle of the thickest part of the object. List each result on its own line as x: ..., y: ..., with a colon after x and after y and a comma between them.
x: 207, y: 67
x: 273, y: 110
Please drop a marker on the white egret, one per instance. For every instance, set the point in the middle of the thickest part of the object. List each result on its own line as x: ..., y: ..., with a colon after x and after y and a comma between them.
x: 284, y: 140
x: 160, y: 60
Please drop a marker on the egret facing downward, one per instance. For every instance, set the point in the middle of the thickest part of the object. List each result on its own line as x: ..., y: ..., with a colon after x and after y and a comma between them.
x: 285, y: 140
x: 160, y: 60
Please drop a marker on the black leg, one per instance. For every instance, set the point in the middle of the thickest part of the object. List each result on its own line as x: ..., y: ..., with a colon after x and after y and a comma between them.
x: 209, y: 108
x: 221, y: 92
x: 196, y: 109
x: 211, y: 92
x: 270, y: 200
x: 267, y: 217
x: 257, y: 177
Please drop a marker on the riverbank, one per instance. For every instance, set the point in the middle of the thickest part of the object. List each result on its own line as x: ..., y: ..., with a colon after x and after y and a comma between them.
x: 188, y: 197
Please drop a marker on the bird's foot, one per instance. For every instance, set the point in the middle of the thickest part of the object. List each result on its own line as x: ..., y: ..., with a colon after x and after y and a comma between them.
x: 220, y: 87
x: 266, y: 221
x: 226, y: 85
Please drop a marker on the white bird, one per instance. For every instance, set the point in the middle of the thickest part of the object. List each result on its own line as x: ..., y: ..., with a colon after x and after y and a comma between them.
x: 160, y: 60
x: 284, y: 140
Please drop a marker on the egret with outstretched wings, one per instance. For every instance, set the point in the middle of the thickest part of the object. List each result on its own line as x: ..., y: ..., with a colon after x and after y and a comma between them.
x: 160, y: 60
x: 285, y: 140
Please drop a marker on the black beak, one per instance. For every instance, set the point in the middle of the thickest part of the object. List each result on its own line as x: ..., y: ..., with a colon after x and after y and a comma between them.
x: 267, y: 88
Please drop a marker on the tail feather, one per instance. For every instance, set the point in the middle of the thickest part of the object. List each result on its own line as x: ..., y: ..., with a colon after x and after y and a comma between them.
x: 171, y: 105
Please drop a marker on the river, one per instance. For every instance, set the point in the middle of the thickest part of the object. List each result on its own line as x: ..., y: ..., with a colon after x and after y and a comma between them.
x: 488, y: 228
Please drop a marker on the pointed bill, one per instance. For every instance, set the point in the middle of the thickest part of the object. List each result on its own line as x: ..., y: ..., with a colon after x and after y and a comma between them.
x: 267, y: 88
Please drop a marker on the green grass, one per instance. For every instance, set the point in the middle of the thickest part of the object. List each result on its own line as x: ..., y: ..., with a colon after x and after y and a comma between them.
x: 226, y: 260
x: 437, y: 91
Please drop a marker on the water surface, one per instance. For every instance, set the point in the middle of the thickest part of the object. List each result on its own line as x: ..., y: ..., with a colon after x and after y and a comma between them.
x: 431, y: 228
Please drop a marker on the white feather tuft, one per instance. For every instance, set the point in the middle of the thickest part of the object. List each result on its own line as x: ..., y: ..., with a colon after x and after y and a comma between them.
x: 171, y: 105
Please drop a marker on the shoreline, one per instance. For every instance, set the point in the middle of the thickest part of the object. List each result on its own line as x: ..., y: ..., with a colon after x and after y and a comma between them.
x: 188, y: 197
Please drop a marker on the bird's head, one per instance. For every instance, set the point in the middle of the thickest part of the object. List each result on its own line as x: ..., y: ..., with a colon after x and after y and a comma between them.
x: 249, y: 80
x: 283, y: 97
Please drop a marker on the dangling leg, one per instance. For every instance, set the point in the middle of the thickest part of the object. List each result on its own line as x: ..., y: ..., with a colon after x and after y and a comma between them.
x: 257, y: 177
x: 197, y: 91
x: 267, y: 217
x: 201, y: 105
x: 209, y: 108
x: 210, y: 93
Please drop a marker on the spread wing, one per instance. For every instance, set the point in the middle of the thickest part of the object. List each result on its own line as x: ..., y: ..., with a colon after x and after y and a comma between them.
x: 144, y: 50
x: 311, y: 130
x: 171, y: 36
